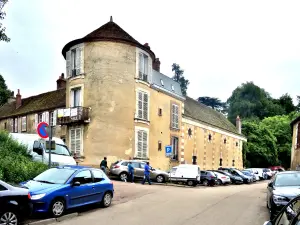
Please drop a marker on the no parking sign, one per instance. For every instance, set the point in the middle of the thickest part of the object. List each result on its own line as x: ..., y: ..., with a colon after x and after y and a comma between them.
x: 42, y: 130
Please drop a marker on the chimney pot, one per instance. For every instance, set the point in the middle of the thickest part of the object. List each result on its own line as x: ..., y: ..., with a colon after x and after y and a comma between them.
x: 61, y: 82
x: 238, y: 124
x: 18, y: 99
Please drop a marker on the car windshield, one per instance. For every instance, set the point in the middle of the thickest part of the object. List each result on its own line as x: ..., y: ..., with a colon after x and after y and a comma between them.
x: 287, y: 179
x: 55, y: 176
x: 60, y: 150
x: 239, y: 172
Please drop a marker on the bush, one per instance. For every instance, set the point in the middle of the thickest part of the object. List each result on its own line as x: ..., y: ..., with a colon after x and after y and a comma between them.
x: 16, y: 164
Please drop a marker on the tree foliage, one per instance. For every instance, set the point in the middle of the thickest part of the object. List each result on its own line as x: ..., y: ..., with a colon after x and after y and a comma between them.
x: 214, y: 103
x: 286, y: 102
x: 4, y: 92
x: 178, y: 77
x: 3, y: 36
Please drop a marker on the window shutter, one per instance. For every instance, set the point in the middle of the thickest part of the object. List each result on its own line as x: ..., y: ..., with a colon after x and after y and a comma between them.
x: 68, y: 63
x: 176, y: 116
x: 140, y: 105
x: 145, y: 144
x: 78, y: 141
x: 139, y: 143
x: 54, y: 117
x: 36, y: 118
x: 71, y: 98
x: 78, y: 61
x: 46, y: 117
x: 43, y: 117
x: 72, y: 140
x: 141, y: 65
x: 149, y: 70
x: 19, y: 124
x: 11, y: 125
x: 81, y: 50
x: 145, y: 107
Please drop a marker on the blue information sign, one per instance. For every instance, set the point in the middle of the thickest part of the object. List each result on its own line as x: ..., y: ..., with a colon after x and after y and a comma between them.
x: 168, y: 150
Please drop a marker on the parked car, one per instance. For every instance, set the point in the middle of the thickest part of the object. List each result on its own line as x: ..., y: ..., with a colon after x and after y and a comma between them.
x: 233, y: 171
x: 234, y: 179
x: 267, y: 173
x: 276, y: 169
x: 289, y: 214
x: 221, y: 178
x: 282, y: 188
x: 15, y: 204
x: 58, y: 189
x: 186, y: 173
x: 258, y: 172
x: 208, y: 178
x: 120, y: 169
x: 251, y: 174
x: 39, y: 148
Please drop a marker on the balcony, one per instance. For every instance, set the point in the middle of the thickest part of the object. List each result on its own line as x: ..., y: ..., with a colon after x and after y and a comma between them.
x: 73, y: 115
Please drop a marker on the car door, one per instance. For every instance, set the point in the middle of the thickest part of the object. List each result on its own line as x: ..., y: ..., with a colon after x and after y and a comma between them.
x: 83, y: 194
x: 138, y: 169
x: 99, y: 184
x: 270, y: 191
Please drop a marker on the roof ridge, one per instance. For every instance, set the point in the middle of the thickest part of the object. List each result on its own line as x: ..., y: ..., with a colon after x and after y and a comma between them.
x: 48, y: 92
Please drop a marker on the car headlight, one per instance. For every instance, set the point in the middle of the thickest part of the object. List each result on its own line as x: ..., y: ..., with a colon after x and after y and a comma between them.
x: 36, y: 197
x: 279, y: 199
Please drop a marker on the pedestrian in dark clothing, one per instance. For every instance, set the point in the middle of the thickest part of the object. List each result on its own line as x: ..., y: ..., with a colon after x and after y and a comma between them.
x: 147, y: 174
x: 131, y: 172
x: 103, y: 165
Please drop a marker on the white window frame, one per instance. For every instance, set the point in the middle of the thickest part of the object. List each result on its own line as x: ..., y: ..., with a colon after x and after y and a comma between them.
x: 12, y: 125
x: 15, y: 125
x: 149, y: 72
x: 71, y: 95
x: 51, y: 118
x: 40, y: 118
x: 138, y: 91
x: 146, y: 130
x: 173, y: 149
x: 24, y: 124
x: 75, y: 62
x: 174, y: 125
x: 80, y: 128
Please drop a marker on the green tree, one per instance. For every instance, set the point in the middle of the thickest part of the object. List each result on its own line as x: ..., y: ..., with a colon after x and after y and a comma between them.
x: 260, y: 149
x: 251, y: 101
x: 3, y: 36
x: 178, y: 77
x: 214, y: 103
x: 4, y: 92
x: 286, y: 102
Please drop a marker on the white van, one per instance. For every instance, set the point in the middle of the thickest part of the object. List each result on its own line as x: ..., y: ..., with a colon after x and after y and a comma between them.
x: 186, y: 173
x: 36, y: 147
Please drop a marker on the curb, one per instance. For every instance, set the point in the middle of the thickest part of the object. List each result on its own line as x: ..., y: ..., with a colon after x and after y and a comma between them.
x: 54, y: 220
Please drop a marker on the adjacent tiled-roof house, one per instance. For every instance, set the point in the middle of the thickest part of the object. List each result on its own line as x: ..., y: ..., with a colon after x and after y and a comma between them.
x: 116, y: 103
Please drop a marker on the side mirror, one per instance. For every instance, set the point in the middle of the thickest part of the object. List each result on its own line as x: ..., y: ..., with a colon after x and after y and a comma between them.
x: 76, y: 184
x: 37, y: 148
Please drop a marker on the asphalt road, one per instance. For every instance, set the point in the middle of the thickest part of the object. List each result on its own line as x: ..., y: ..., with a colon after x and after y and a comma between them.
x: 136, y: 204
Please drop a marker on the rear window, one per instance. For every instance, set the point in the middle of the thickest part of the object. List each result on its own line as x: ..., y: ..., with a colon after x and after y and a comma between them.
x: 2, y: 188
x: 115, y: 163
x: 124, y: 163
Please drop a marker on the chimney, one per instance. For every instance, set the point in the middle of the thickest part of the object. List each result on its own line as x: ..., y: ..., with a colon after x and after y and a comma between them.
x: 18, y: 99
x: 11, y: 97
x: 156, y: 64
x: 61, y: 82
x: 147, y: 45
x: 238, y: 124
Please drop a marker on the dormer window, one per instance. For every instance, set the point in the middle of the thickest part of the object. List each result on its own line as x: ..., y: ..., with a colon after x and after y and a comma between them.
x: 162, y: 82
x: 75, y: 60
x: 172, y: 87
x: 143, y: 67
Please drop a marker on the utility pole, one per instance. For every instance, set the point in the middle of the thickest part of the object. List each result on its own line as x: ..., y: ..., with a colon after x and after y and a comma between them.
x: 50, y: 145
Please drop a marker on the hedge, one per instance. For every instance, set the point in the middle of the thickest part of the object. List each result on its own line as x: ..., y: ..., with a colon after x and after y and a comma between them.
x: 16, y: 165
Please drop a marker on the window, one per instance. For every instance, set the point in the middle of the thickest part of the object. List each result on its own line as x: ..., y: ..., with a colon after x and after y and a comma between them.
x: 2, y: 188
x: 75, y: 61
x: 24, y: 123
x: 143, y: 67
x: 174, y: 143
x: 124, y: 163
x: 12, y: 125
x: 159, y: 146
x: 225, y: 140
x: 160, y: 112
x: 236, y: 144
x: 51, y: 119
x: 98, y: 175
x: 40, y: 117
x: 233, y: 161
x: 75, y: 140
x: 15, y: 125
x: 143, y: 105
x: 209, y: 137
x: 84, y: 177
x: 136, y: 165
x: 175, y: 116
x: 76, y: 97
x: 221, y: 160
x: 141, y: 144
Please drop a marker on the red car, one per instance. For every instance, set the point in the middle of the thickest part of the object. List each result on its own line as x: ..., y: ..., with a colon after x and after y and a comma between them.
x: 276, y: 169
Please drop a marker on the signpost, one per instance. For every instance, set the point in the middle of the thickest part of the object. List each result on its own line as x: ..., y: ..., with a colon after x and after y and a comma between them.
x: 169, y: 151
x: 45, y: 131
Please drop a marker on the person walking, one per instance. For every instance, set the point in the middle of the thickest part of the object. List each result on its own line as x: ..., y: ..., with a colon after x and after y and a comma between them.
x: 131, y: 172
x: 103, y: 165
x: 146, y: 174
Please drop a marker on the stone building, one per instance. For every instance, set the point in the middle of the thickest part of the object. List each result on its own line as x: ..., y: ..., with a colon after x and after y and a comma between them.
x: 295, y: 155
x: 118, y: 104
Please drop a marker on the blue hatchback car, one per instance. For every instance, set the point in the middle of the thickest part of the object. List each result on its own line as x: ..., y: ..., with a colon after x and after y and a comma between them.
x: 66, y: 187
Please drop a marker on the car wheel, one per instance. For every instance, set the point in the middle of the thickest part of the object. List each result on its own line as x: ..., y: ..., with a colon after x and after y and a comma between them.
x: 106, y: 201
x: 9, y: 217
x: 58, y: 207
x: 219, y: 182
x: 205, y: 182
x: 190, y: 183
x: 123, y: 176
x: 160, y: 179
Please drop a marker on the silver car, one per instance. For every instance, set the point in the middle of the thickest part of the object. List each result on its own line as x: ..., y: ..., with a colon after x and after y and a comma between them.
x: 119, y: 169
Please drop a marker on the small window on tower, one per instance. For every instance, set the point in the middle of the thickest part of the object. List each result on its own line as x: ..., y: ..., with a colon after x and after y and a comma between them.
x: 209, y: 137
x: 160, y: 111
x: 225, y: 140
x: 159, y: 146
x: 236, y: 144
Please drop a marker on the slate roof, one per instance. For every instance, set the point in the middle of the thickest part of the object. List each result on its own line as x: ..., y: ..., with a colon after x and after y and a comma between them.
x: 166, y: 83
x: 198, y: 111
x: 108, y: 32
x: 42, y: 102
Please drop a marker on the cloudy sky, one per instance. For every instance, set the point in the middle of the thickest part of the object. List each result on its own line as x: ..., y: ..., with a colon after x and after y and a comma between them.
x: 219, y: 44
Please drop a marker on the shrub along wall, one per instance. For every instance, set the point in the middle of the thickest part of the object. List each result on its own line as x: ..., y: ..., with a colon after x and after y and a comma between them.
x: 16, y: 164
